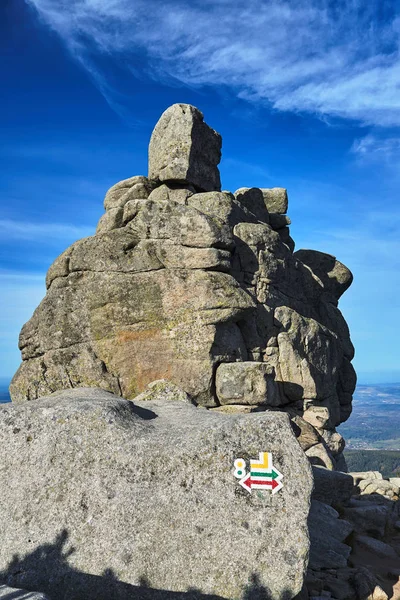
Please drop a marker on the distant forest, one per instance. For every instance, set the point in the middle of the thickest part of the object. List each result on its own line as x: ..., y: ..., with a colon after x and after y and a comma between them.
x: 386, y: 462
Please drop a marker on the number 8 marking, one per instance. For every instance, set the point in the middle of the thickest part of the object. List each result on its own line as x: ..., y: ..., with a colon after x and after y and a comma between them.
x: 240, y: 468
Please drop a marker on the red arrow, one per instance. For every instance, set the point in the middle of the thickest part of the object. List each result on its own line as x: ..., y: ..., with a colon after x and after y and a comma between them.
x: 247, y: 483
x: 274, y: 483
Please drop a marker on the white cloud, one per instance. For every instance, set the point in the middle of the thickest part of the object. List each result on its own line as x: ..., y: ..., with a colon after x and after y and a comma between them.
x: 329, y: 58
x: 375, y: 147
x: 41, y: 232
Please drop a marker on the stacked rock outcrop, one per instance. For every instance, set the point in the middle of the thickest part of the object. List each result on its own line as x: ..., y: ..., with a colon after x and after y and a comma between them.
x: 200, y: 287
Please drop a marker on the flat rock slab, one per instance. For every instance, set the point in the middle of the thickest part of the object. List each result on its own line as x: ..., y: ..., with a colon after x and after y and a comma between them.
x: 8, y: 593
x: 107, y: 498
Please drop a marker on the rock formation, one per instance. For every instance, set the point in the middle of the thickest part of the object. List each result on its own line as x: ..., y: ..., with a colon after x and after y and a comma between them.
x: 200, y: 287
x: 191, y: 302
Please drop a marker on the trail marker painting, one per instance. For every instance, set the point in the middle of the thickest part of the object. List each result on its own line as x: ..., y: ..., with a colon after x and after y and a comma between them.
x: 262, y: 475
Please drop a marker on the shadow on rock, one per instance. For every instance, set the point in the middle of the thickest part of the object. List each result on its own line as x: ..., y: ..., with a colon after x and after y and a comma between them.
x: 46, y: 569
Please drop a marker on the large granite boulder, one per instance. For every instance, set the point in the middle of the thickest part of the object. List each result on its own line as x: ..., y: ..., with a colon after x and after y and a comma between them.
x: 183, y: 282
x: 107, y: 498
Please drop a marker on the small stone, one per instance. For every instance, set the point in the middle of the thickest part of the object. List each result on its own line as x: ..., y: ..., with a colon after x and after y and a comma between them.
x: 184, y: 149
x: 334, y: 441
x: 166, y: 220
x: 176, y: 256
x: 116, y: 196
x: 113, y: 251
x: 317, y: 416
x: 308, y: 436
x: 276, y: 200
x: 320, y: 455
x: 378, y: 594
x: 374, y: 546
x: 253, y: 200
x: 371, y: 486
x: 112, y: 219
x: 361, y: 475
x: 131, y: 209
x: 246, y: 383
x: 327, y: 533
x: 370, y: 519
x: 331, y: 487
x: 177, y: 193
x: 163, y: 391
x: 278, y: 221
x: 335, y: 277
x: 220, y: 206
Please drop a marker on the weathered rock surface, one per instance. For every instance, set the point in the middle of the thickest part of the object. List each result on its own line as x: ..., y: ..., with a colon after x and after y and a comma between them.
x: 354, y: 550
x: 184, y: 282
x: 331, y: 487
x: 276, y: 199
x: 362, y: 475
x: 327, y: 534
x: 246, y: 383
x: 370, y: 519
x: 8, y: 593
x: 184, y: 149
x: 319, y: 455
x: 102, y: 490
x: 381, y: 549
x: 333, y: 274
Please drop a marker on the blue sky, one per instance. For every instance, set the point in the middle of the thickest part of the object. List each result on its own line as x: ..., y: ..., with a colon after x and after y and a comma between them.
x: 304, y: 92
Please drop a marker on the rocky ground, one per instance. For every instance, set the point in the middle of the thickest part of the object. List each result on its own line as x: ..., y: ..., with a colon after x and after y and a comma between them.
x: 355, y: 537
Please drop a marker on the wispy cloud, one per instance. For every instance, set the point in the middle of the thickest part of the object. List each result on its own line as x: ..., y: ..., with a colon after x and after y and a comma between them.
x: 334, y: 59
x: 377, y: 148
x: 41, y: 232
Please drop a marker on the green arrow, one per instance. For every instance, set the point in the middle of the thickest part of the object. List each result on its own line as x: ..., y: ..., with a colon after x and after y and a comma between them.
x: 270, y: 474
